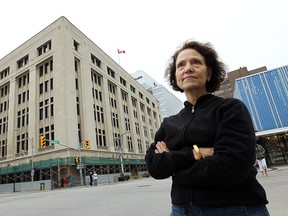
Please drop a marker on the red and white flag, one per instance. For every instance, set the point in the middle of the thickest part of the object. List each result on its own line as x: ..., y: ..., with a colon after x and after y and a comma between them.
x: 121, y: 51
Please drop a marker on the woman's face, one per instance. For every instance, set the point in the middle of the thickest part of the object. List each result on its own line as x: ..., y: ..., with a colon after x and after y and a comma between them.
x: 191, y: 72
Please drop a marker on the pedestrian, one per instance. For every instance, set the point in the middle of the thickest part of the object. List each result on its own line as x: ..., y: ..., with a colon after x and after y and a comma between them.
x: 70, y: 180
x: 91, y: 178
x: 261, y: 161
x: 95, y: 178
x: 209, y: 146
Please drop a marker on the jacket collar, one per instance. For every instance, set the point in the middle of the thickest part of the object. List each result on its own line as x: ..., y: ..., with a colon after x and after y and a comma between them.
x: 200, y: 100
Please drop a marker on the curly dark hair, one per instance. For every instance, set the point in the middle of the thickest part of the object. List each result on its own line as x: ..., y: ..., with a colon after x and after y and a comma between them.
x: 212, y: 61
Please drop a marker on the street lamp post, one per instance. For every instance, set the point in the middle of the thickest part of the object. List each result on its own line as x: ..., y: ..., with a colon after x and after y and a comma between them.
x: 22, y: 153
x: 118, y: 140
x: 80, y: 163
x: 32, y: 158
x: 32, y: 162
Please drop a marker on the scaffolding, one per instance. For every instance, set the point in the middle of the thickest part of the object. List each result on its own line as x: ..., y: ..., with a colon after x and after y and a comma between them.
x: 56, y: 169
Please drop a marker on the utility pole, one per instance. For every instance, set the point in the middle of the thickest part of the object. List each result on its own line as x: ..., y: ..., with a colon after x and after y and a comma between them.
x: 80, y: 162
x: 118, y: 140
x: 32, y: 163
x: 32, y: 159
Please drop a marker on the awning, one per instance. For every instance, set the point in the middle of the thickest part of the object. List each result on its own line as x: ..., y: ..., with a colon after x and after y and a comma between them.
x: 272, y: 131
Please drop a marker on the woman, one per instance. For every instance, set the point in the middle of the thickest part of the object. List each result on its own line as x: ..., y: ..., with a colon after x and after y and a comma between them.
x: 209, y: 146
x: 95, y: 178
x: 260, y: 159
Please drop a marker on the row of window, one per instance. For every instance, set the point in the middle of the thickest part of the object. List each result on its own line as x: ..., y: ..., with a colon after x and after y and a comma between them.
x: 99, y: 116
x: 41, y: 50
x: 96, y: 61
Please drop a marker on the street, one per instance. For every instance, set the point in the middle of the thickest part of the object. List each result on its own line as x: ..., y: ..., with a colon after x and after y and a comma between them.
x: 138, y: 197
x: 133, y: 198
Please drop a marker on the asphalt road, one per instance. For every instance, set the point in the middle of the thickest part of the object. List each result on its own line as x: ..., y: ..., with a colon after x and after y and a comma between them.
x: 133, y: 198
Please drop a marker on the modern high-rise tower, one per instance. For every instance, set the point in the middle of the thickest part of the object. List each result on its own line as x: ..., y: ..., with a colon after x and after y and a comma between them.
x: 169, y: 103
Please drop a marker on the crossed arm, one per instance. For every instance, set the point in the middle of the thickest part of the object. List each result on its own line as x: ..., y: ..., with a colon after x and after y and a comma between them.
x: 198, y: 155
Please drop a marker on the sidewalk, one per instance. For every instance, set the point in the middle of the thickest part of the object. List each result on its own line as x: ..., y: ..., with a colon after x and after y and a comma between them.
x: 275, y: 185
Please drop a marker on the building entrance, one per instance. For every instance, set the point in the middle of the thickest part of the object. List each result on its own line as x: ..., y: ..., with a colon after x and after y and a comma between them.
x: 276, y: 147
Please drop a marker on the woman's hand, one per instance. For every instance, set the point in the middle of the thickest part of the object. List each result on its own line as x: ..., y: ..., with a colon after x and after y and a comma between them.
x: 161, y: 147
x: 200, y: 153
x: 205, y: 152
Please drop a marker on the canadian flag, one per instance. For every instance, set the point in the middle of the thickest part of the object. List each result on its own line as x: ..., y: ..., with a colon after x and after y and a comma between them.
x: 121, y: 51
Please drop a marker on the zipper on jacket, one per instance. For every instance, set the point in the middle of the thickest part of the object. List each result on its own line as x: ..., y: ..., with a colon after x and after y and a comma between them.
x: 184, y: 128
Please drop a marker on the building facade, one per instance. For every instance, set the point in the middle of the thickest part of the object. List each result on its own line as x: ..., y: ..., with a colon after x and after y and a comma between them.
x: 266, y: 96
x: 227, y: 87
x: 169, y: 103
x: 60, y: 85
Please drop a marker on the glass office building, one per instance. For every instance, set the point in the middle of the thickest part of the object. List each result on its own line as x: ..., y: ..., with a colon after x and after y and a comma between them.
x: 266, y: 96
x: 170, y: 104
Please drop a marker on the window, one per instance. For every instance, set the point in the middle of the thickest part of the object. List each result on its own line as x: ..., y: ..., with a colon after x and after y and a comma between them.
x: 96, y: 78
x: 125, y: 109
x: 112, y: 88
x: 139, y: 142
x: 76, y: 83
x: 147, y: 100
x: 129, y: 142
x: 23, y: 61
x: 123, y: 81
x: 99, y: 114
x: 77, y: 106
x: 76, y: 45
x: 45, y: 107
x: 48, y: 132
x: 100, y: 137
x: 127, y: 124
x: 134, y: 102
x: 76, y: 65
x: 97, y: 94
x: 45, y: 68
x: 44, y: 48
x: 132, y: 88
x: 113, y: 103
x: 95, y: 61
x: 124, y: 96
x: 4, y: 73
x: 142, y: 106
x: 135, y: 114
x: 21, y: 116
x: 114, y: 120
x: 149, y: 111
x: 137, y: 128
x: 110, y: 72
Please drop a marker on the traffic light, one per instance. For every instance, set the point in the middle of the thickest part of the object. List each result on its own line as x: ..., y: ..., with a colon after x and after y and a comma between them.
x: 42, y: 142
x: 88, y: 144
x: 76, y: 160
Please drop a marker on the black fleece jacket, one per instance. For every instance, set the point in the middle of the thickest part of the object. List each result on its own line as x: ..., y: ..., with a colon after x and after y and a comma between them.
x: 228, y: 177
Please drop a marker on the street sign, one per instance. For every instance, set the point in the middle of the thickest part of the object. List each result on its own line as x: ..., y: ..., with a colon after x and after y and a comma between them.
x: 80, y: 166
x: 55, y: 142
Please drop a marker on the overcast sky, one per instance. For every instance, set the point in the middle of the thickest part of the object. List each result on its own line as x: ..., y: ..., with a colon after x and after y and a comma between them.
x: 246, y: 33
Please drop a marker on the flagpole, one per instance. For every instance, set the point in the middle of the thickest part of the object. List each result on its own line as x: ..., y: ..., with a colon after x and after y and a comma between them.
x: 118, y: 56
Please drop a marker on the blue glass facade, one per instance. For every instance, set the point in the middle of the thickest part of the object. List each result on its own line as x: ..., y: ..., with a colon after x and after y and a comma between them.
x: 266, y: 96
